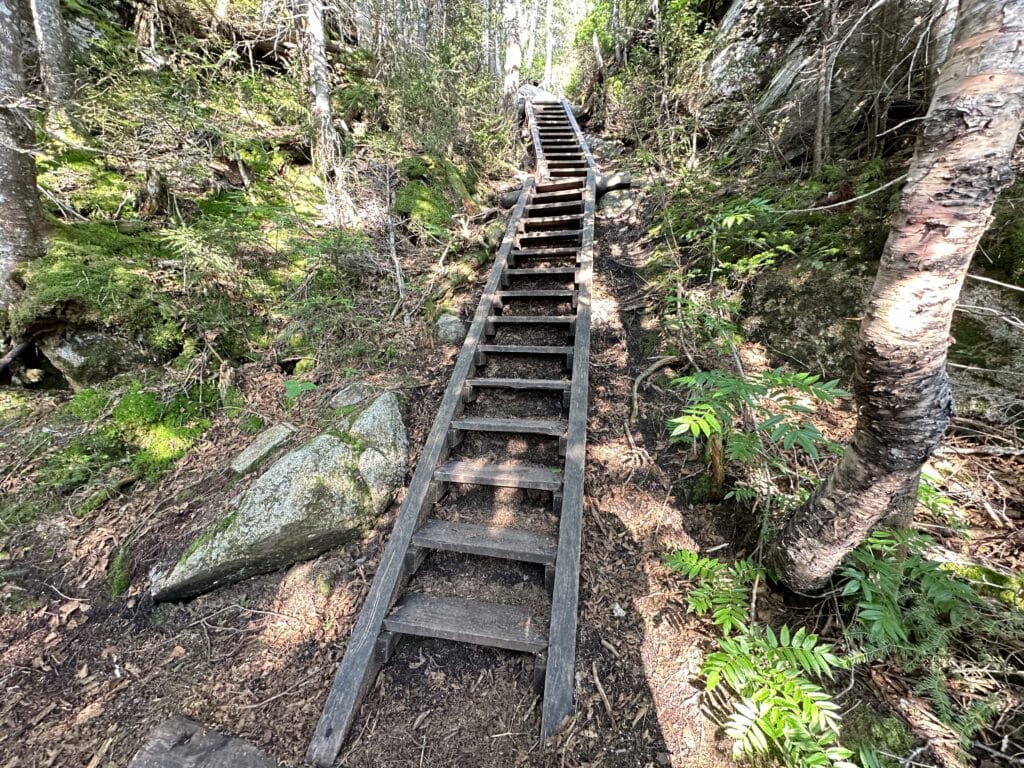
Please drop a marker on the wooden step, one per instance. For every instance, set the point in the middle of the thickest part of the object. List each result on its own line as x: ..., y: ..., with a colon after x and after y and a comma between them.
x: 540, y: 271
x: 557, y: 186
x: 531, y: 319
x: 576, y: 206
x: 544, y: 253
x: 567, y: 218
x: 550, y: 385
x: 530, y: 293
x: 487, y: 541
x: 551, y: 427
x: 570, y: 173
x: 500, y: 475
x: 524, y: 349
x: 555, y: 234
x: 467, y: 621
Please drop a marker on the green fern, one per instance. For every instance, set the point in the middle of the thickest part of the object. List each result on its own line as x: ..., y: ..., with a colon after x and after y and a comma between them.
x: 778, y: 707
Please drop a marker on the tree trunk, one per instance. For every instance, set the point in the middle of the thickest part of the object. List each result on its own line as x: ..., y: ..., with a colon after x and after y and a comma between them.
x: 904, y: 402
x: 616, y: 24
x: 549, y: 44
x: 513, y: 57
x: 531, y: 32
x: 21, y: 237
x: 51, y: 42
x: 823, y: 121
x: 328, y: 150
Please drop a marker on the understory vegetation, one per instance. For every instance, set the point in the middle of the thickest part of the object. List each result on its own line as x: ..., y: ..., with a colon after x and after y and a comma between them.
x: 195, y: 238
x: 740, y: 233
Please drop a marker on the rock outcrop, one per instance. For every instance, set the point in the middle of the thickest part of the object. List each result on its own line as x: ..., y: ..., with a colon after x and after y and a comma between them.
x: 310, y: 500
x: 89, y: 357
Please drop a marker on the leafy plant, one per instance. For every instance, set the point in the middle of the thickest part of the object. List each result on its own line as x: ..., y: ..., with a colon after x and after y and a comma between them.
x: 763, y: 404
x: 775, y: 704
x: 293, y: 389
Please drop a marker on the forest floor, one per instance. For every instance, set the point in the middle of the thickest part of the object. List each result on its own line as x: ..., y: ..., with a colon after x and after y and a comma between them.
x: 84, y: 677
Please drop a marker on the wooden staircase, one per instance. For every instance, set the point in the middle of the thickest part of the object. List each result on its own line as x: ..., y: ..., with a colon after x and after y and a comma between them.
x: 535, y: 307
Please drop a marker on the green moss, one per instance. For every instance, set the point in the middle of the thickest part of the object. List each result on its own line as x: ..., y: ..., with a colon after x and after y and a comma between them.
x: 1004, y: 241
x: 87, y: 404
x: 425, y: 206
x: 118, y: 577
x: 251, y: 425
x: 208, y: 535
x: 137, y: 408
x: 94, y: 275
x: 866, y: 729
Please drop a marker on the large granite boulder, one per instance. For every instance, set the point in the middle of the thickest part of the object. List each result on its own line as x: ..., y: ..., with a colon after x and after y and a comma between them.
x: 310, y: 500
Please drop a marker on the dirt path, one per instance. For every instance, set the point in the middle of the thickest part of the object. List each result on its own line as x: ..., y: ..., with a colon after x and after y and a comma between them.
x: 84, y: 678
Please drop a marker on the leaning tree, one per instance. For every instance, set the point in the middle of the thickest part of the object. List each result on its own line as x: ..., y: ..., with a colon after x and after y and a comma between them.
x: 903, y: 398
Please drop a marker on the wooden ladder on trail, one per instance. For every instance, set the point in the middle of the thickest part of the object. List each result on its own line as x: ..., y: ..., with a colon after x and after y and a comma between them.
x: 544, y: 263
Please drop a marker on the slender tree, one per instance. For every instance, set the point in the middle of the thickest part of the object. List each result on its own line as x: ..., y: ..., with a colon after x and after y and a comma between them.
x: 549, y: 44
x: 513, y: 56
x: 961, y: 163
x: 328, y: 149
x: 21, y: 234
x: 52, y: 45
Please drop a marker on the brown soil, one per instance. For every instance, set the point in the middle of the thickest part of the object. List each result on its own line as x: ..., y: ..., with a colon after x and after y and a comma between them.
x: 84, y: 678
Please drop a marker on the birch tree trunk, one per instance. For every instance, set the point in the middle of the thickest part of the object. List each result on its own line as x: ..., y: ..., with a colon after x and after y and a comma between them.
x: 327, y: 140
x: 21, y: 236
x: 904, y: 402
x: 513, y: 57
x: 531, y: 32
x: 51, y: 42
x: 549, y: 44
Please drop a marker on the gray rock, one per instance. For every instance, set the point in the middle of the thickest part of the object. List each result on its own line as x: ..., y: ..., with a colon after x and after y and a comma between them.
x: 310, y: 500
x: 986, y: 364
x: 182, y: 742
x: 352, y: 393
x: 613, y: 204
x: 89, y: 357
x: 802, y: 315
x: 263, y: 444
x: 450, y: 329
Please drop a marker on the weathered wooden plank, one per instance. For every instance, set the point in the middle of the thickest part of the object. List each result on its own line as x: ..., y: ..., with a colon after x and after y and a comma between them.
x: 536, y: 294
x: 552, y: 427
x: 540, y: 271
x: 546, y: 251
x: 569, y: 206
x: 529, y: 239
x: 468, y: 621
x: 559, y: 681
x: 181, y: 743
x: 500, y: 475
x: 538, y: 149
x: 524, y: 349
x: 487, y: 541
x: 559, y: 186
x: 535, y: 384
x: 359, y: 666
x: 563, y: 196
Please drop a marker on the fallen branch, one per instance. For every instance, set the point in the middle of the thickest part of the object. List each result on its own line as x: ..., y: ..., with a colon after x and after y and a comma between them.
x: 1009, y: 286
x: 656, y: 366
x: 980, y: 450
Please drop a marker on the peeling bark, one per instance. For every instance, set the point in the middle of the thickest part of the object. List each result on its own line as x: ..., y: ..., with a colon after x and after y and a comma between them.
x: 960, y: 165
x: 21, y: 236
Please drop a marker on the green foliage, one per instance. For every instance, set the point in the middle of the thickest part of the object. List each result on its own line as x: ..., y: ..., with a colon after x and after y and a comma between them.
x: 720, y: 400
x: 933, y: 622
x: 294, y: 388
x: 87, y: 404
x: 777, y: 705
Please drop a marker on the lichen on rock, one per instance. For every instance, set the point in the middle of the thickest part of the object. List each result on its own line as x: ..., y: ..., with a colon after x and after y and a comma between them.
x: 310, y: 500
